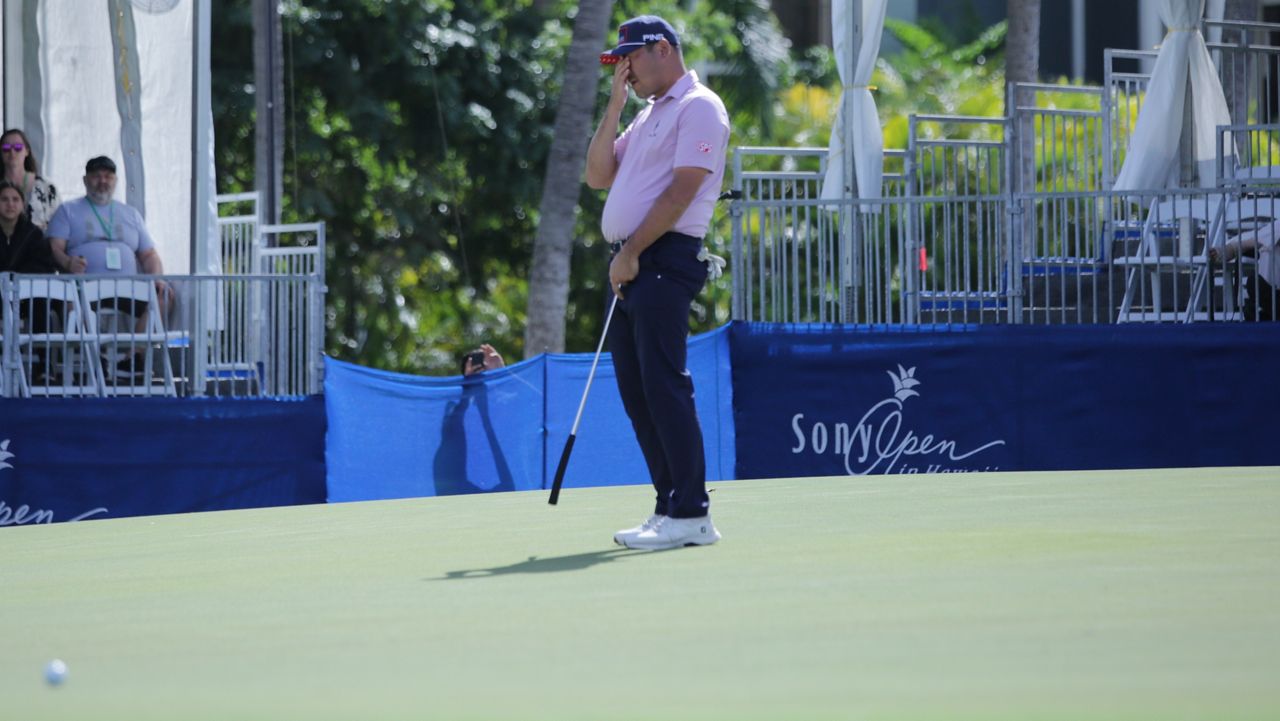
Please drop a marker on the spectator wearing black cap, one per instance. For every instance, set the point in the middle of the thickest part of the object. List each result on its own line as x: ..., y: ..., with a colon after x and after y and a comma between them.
x: 98, y: 234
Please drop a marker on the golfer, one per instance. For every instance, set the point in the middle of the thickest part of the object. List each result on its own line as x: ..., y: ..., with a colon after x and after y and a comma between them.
x: 663, y: 174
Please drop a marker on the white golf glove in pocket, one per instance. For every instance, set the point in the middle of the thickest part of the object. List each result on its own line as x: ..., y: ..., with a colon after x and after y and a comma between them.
x: 715, y: 263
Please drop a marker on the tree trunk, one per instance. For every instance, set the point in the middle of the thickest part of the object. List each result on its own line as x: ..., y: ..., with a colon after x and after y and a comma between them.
x: 1022, y: 65
x: 1022, y: 56
x: 269, y: 106
x: 1022, y: 59
x: 562, y: 185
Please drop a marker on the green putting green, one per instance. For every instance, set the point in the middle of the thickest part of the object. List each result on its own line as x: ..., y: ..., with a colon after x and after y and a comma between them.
x: 1102, y: 595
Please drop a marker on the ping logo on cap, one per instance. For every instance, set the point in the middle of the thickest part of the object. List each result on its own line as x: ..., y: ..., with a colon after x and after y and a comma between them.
x: 640, y: 31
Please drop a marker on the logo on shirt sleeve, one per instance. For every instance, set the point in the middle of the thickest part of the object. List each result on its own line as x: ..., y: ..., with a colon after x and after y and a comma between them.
x: 704, y: 147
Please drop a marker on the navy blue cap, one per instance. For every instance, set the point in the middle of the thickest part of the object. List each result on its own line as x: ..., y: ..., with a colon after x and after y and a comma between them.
x: 640, y: 31
x: 101, y: 162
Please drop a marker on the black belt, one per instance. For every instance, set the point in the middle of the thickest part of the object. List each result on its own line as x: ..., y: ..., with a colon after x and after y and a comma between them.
x: 616, y: 245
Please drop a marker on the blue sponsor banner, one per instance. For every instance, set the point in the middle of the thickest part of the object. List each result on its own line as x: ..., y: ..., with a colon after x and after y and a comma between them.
x: 794, y: 401
x: 836, y: 400
x: 79, y: 459
x: 394, y: 435
x: 605, y: 451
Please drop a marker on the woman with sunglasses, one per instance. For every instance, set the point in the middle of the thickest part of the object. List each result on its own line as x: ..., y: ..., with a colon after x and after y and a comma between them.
x: 23, y: 171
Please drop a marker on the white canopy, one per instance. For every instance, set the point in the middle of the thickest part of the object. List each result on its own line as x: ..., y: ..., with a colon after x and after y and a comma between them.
x: 1152, y: 159
x: 862, y: 135
x: 121, y: 78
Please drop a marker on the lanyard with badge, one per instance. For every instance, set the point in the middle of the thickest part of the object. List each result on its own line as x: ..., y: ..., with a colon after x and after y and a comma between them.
x: 114, y: 259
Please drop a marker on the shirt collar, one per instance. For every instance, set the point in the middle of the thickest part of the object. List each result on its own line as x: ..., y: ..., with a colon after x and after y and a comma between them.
x: 681, y: 86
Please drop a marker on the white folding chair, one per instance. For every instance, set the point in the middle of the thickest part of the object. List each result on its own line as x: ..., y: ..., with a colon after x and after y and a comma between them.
x: 56, y: 360
x: 1245, y: 214
x: 1192, y: 224
x: 129, y: 349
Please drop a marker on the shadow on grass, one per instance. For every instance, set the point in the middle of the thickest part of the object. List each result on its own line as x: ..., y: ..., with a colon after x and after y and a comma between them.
x: 555, y: 564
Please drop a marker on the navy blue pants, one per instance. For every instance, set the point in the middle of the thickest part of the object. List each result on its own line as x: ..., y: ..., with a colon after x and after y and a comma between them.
x: 648, y: 339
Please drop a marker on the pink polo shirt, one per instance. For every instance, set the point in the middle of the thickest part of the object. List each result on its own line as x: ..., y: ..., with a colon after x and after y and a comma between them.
x: 686, y: 127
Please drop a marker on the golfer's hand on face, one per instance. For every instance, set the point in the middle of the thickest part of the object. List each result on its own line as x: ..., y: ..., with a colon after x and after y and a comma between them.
x: 623, y: 269
x: 618, y: 96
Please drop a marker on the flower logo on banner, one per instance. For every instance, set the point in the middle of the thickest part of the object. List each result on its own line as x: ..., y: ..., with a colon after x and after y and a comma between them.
x: 5, y: 455
x: 903, y: 382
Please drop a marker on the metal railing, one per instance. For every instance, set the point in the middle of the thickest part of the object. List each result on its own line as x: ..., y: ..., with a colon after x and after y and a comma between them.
x: 254, y: 330
x: 1248, y: 67
x: 113, y: 335
x: 944, y: 257
x: 238, y: 221
x: 1012, y: 219
x: 1257, y: 155
x: 1122, y: 95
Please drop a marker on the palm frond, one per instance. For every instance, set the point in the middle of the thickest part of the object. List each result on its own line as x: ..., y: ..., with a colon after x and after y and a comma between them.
x: 913, y: 37
x: 989, y: 41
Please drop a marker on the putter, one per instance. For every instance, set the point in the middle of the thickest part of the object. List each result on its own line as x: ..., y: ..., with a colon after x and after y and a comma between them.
x: 573, y: 433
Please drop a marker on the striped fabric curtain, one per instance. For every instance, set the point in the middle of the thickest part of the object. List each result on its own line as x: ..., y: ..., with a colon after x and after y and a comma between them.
x: 857, y: 125
x: 1151, y: 162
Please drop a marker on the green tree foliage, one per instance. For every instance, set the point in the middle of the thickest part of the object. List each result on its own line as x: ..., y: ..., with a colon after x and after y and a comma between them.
x: 412, y: 130
x: 418, y: 131
x: 929, y: 74
x: 931, y: 77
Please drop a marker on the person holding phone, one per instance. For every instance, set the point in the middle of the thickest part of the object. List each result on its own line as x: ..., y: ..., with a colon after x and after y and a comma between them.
x: 481, y: 359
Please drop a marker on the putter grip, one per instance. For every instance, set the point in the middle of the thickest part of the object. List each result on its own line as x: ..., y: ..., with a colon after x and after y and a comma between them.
x: 564, y: 463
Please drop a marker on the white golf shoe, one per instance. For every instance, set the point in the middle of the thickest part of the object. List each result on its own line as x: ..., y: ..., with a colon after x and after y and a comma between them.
x: 651, y: 522
x: 675, y: 533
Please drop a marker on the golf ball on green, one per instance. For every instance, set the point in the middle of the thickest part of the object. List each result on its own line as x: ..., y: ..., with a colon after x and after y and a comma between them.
x: 55, y: 672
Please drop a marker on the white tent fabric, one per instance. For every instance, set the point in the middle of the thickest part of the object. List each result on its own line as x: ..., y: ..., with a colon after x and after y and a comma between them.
x: 866, y: 138
x: 116, y: 79
x: 1152, y: 158
x: 208, y: 254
